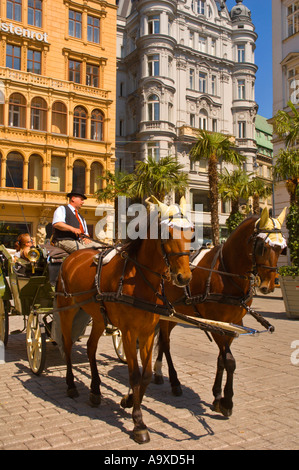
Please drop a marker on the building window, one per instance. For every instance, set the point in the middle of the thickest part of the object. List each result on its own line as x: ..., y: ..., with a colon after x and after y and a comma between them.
x: 293, y: 85
x: 96, y: 171
x: 97, y: 122
x: 241, y: 53
x: 59, y: 118
x: 154, y: 65
x: 202, y: 44
x: 75, y: 24
x: 241, y: 129
x: 241, y: 89
x: 38, y: 114
x: 17, y: 111
x: 13, y: 57
x: 154, y: 24
x: 202, y: 82
x: 191, y: 79
x: 192, y: 120
x: 57, y: 180
x: 14, y: 170
x: 34, y: 61
x: 153, y: 108
x: 74, y: 71
x: 35, y: 173
x: 153, y: 150
x: 293, y: 18
x: 201, y: 7
x: 92, y: 75
x: 35, y: 13
x: 213, y: 47
x: 200, y: 200
x: 80, y: 118
x: 214, y: 85
x: 79, y: 171
x: 93, y: 29
x: 14, y: 10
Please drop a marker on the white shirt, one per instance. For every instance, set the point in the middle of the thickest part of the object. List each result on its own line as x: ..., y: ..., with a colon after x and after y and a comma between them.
x: 59, y: 216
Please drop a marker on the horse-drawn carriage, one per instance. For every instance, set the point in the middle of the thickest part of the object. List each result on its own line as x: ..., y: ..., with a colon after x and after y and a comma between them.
x: 27, y: 289
x: 149, y: 279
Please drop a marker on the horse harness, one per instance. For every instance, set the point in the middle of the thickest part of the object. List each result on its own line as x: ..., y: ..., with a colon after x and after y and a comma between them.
x: 167, y: 309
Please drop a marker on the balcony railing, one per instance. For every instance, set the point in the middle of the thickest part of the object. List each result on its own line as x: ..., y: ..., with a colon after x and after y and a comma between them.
x: 47, y: 82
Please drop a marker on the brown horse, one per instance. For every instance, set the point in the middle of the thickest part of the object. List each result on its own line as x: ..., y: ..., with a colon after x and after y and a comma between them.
x: 134, y: 274
x: 251, y: 250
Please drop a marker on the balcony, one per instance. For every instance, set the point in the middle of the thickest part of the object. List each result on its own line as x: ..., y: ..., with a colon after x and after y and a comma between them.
x: 27, y: 78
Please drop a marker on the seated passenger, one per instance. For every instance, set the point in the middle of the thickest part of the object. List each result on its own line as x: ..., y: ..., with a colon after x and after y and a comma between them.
x: 23, y: 245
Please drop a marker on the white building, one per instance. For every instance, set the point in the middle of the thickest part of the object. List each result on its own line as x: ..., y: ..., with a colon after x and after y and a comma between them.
x: 285, y: 45
x: 184, y: 65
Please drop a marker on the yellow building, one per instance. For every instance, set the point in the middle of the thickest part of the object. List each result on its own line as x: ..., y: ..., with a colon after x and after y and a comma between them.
x: 57, y: 107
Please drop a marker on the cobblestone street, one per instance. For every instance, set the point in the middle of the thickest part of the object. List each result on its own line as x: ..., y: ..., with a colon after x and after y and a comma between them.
x: 36, y: 414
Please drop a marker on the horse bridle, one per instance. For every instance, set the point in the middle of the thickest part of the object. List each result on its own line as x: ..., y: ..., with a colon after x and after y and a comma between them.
x: 256, y: 239
x: 167, y: 255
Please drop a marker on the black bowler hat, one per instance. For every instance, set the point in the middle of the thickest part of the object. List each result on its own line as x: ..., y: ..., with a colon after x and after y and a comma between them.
x: 75, y: 192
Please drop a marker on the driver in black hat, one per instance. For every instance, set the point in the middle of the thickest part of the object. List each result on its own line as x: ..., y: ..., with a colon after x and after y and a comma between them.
x: 69, y: 227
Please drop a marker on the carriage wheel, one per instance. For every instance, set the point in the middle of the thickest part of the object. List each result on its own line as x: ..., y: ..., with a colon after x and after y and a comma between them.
x: 36, y: 344
x: 118, y: 346
x: 4, y: 325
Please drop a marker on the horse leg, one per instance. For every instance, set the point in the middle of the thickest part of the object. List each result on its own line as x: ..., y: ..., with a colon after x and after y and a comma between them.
x: 164, y: 347
x: 140, y: 432
x: 217, y: 387
x: 226, y: 403
x: 66, y: 321
x: 226, y: 362
x: 92, y: 343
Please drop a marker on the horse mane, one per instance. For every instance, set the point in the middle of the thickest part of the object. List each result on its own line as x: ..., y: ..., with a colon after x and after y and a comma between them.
x: 131, y: 247
x: 248, y: 220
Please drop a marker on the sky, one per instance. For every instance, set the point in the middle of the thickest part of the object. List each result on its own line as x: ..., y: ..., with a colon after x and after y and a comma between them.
x: 261, y: 13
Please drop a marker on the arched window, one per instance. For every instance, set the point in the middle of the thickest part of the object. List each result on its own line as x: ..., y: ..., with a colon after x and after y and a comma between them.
x: 17, y: 110
x: 97, y: 120
x: 35, y: 172
x: 80, y: 118
x: 203, y: 119
x: 96, y: 170
x: 153, y: 108
x: 14, y: 170
x: 79, y: 170
x: 59, y: 118
x: 38, y: 114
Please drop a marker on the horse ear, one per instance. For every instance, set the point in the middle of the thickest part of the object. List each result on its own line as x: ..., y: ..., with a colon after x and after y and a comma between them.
x: 282, y: 216
x: 264, y: 217
x: 153, y: 203
x: 183, y: 204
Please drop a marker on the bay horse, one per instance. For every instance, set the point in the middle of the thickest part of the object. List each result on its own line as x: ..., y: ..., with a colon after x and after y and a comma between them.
x: 221, y: 290
x: 134, y: 274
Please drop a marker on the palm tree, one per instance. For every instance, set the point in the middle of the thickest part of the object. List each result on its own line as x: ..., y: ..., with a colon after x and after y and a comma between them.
x: 258, y: 188
x: 233, y: 186
x: 215, y: 147
x: 158, y: 178
x: 287, y: 168
x: 287, y: 125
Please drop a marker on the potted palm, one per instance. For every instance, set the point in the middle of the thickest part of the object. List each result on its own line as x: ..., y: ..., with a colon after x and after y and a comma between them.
x: 287, y: 168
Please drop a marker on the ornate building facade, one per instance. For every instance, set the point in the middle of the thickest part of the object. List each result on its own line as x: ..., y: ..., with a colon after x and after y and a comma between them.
x: 285, y: 41
x: 57, y: 107
x: 182, y: 66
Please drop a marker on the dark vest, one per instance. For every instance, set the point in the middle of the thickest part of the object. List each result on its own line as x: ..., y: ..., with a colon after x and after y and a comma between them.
x: 70, y: 219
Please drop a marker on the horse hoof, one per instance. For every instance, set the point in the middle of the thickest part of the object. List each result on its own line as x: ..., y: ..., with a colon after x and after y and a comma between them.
x: 127, y: 401
x: 141, y: 436
x: 216, y: 406
x: 72, y: 393
x: 177, y: 390
x: 159, y: 380
x: 94, y: 399
x: 226, y: 408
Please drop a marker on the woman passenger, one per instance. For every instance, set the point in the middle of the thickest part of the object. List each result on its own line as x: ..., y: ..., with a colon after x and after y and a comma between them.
x: 23, y: 245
